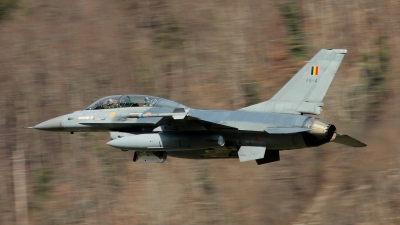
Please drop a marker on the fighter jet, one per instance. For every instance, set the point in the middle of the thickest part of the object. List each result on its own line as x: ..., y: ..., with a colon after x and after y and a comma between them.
x: 155, y: 127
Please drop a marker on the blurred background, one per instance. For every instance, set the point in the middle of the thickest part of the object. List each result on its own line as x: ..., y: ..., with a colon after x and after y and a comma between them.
x: 59, y: 56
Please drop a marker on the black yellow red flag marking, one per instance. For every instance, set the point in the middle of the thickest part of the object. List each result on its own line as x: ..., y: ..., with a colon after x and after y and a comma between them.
x: 314, y: 70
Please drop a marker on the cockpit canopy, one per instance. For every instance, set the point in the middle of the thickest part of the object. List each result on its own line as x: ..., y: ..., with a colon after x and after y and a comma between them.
x: 122, y: 101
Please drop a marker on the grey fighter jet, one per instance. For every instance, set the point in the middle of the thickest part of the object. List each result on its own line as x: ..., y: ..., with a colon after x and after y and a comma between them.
x: 154, y: 127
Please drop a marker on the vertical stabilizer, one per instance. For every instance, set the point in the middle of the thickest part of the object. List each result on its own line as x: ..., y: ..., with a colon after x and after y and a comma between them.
x: 306, y: 90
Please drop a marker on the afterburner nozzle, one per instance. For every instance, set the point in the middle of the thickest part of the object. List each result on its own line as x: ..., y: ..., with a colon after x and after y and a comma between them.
x: 321, y: 132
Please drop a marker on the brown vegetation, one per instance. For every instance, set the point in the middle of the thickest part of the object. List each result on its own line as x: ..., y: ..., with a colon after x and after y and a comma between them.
x: 60, y: 56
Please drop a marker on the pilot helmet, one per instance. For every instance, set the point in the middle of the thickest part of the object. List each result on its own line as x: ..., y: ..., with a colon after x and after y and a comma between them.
x: 146, y: 101
x: 109, y: 101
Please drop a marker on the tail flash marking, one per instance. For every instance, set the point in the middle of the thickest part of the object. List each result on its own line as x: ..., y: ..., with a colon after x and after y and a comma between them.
x: 314, y: 70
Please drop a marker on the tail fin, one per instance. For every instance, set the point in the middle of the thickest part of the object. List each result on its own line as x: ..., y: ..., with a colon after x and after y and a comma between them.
x: 306, y: 90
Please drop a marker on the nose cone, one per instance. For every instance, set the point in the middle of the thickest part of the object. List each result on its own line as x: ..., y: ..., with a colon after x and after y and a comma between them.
x: 122, y: 143
x: 54, y: 124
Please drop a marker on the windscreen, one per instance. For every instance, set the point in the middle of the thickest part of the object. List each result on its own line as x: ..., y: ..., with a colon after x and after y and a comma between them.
x: 123, y: 101
x: 108, y: 102
x: 137, y: 101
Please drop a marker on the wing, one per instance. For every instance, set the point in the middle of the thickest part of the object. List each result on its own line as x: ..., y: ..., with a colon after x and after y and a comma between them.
x: 306, y: 90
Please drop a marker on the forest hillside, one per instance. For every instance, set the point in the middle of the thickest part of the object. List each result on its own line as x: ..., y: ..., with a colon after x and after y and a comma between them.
x: 57, y: 57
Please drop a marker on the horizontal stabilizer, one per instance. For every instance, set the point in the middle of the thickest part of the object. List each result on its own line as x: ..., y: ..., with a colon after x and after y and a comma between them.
x: 247, y: 153
x: 284, y: 130
x: 345, y: 139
